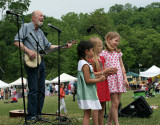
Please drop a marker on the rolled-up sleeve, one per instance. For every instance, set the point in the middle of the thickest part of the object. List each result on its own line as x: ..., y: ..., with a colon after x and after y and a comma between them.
x: 22, y: 33
x: 47, y: 43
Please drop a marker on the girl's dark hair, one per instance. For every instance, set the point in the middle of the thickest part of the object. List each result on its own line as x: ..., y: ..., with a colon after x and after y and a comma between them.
x: 82, y: 47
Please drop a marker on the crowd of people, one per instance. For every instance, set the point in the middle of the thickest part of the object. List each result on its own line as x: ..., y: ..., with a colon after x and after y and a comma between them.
x: 50, y: 90
x: 11, y: 92
x: 69, y: 88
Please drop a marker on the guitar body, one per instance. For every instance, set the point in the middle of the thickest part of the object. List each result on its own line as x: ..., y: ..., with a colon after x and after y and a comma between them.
x: 16, y: 113
x: 32, y: 63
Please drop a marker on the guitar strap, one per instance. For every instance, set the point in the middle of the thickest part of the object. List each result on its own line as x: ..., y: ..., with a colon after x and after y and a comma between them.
x: 31, y: 44
x: 32, y: 63
x: 28, y: 40
x: 35, y: 35
x: 42, y: 50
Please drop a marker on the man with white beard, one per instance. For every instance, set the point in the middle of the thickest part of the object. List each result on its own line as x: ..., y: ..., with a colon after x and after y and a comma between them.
x: 28, y: 33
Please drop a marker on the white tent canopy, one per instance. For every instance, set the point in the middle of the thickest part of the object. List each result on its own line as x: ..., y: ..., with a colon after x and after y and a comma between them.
x: 151, y: 72
x: 19, y: 82
x: 64, y: 78
x: 48, y: 82
x: 3, y: 84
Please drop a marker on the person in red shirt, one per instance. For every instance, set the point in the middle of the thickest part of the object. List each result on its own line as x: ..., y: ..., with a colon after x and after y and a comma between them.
x: 14, y: 99
x: 69, y: 88
x: 149, y: 80
x: 62, y: 96
x: 2, y: 94
x: 98, y: 62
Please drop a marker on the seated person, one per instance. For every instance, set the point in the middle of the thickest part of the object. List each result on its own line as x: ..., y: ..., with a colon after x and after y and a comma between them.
x: 158, y: 88
x: 143, y: 87
x: 14, y: 100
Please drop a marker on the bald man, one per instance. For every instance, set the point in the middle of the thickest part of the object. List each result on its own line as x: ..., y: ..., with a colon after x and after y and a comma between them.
x: 29, y: 46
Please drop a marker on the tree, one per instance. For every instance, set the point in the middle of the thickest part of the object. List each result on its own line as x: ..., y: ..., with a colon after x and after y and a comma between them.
x: 140, y: 20
x: 101, y: 20
x: 139, y: 29
x: 153, y: 5
x: 151, y: 50
x: 19, y: 6
x: 154, y: 19
x: 117, y: 8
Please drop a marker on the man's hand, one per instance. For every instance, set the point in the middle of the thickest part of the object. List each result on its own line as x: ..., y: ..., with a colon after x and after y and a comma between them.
x: 68, y: 45
x: 32, y: 54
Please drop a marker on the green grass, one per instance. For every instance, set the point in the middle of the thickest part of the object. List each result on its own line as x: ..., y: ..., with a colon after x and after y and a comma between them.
x: 51, y: 105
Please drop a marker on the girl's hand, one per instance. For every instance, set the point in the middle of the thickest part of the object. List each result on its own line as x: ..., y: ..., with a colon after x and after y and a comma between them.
x: 106, y: 75
x: 126, y: 82
x: 110, y: 71
x: 113, y: 70
x: 102, y: 78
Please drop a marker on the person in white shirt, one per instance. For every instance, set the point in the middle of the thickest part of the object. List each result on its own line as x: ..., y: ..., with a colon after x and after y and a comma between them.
x: 56, y: 88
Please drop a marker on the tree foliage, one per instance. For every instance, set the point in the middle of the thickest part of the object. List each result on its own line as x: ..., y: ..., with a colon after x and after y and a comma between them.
x: 139, y: 29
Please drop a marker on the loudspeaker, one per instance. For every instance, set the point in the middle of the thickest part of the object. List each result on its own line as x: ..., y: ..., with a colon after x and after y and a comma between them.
x: 138, y: 108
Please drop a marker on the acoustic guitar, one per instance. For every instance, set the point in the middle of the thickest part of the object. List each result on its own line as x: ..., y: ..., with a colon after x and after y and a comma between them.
x: 32, y: 63
x: 16, y: 113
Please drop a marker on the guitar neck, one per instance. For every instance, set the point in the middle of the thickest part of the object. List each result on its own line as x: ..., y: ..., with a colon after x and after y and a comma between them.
x: 53, y: 50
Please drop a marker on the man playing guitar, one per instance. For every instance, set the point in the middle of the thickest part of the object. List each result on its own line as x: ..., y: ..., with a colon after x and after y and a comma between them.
x: 29, y: 46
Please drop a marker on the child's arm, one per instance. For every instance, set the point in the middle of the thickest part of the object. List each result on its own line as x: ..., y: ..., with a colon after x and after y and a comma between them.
x: 107, y: 71
x: 123, y: 72
x: 87, y: 78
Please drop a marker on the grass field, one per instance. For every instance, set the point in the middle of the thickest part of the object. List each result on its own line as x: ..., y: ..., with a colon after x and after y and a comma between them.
x: 51, y: 105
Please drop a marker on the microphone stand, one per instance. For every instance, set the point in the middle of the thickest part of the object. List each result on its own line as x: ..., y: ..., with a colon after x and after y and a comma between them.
x: 59, y: 117
x: 38, y: 118
x: 98, y: 32
x: 21, y: 69
x: 59, y: 75
x: 2, y: 70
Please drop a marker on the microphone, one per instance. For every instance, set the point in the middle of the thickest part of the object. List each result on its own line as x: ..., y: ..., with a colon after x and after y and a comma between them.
x: 89, y: 29
x: 54, y: 27
x: 9, y: 12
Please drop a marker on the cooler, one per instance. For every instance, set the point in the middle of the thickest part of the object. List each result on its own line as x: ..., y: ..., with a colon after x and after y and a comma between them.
x: 138, y: 93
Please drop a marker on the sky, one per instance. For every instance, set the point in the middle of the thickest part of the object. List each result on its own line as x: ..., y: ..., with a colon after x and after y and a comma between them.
x: 57, y: 8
